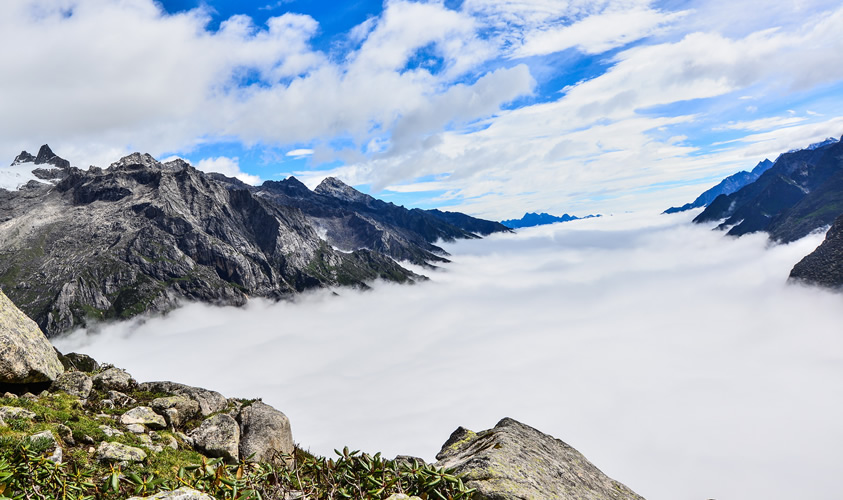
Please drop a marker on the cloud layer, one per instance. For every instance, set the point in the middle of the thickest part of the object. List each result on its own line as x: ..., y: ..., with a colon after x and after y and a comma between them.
x: 677, y: 360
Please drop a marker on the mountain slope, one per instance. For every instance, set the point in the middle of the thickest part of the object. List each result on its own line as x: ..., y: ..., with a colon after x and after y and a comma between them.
x: 727, y: 186
x: 800, y: 193
x: 823, y: 266
x: 142, y: 235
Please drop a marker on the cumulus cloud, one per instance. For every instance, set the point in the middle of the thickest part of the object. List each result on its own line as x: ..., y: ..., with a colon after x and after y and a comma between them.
x: 676, y: 359
x: 229, y: 167
x: 298, y: 153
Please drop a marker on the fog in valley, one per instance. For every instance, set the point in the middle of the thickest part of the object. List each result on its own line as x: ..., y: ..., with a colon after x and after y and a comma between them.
x: 676, y: 359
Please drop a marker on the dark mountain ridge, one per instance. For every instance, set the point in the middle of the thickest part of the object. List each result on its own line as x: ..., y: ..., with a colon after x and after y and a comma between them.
x: 801, y: 192
x: 142, y: 235
x: 727, y: 186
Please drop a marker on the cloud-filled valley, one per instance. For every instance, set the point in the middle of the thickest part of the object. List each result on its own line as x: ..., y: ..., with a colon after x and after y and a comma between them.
x: 676, y: 359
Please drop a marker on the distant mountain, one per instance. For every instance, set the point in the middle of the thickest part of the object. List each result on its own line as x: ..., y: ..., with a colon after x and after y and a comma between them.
x: 45, y: 167
x: 801, y: 192
x: 823, y: 266
x: 143, y: 235
x: 727, y: 186
x: 531, y: 219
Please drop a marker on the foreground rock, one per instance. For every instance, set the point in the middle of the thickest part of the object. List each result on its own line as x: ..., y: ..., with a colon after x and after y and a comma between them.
x: 209, y: 401
x: 823, y: 266
x: 218, y: 436
x: 264, y: 433
x: 119, y: 453
x: 26, y: 356
x: 516, y: 462
x: 183, y: 493
x: 74, y: 383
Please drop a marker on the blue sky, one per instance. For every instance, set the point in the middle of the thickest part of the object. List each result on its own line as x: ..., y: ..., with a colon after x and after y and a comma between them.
x: 492, y: 107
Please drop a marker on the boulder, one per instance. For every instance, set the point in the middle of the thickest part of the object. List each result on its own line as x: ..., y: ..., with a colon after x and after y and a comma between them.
x: 218, y: 436
x: 176, y: 410
x: 143, y: 415
x: 9, y: 412
x: 54, y: 449
x: 26, y: 356
x: 113, y: 379
x: 80, y: 362
x: 183, y: 493
x: 116, y: 452
x: 74, y: 383
x: 209, y: 401
x: 513, y: 461
x: 264, y: 432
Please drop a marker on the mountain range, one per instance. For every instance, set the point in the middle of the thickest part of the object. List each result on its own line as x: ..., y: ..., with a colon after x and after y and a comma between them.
x: 531, y: 219
x: 801, y: 192
x: 727, y: 186
x: 142, y: 235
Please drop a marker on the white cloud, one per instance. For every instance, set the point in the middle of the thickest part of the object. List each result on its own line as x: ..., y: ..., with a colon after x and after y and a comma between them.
x: 773, y: 122
x: 677, y: 360
x: 299, y: 152
x: 229, y: 167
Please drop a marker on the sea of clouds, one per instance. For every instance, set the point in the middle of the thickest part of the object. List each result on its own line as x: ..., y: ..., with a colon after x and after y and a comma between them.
x: 678, y: 360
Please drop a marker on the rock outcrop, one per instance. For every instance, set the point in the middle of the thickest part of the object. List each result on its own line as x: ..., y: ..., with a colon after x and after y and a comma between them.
x: 823, y: 266
x: 26, y: 356
x: 218, y: 436
x: 513, y: 461
x: 265, y: 434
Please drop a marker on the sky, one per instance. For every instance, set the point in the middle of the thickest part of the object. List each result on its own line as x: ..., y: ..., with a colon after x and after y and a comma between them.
x: 491, y: 107
x: 679, y: 361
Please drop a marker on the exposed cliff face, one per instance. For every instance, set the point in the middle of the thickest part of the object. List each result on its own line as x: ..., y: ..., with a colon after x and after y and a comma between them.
x: 823, y: 266
x: 142, y: 235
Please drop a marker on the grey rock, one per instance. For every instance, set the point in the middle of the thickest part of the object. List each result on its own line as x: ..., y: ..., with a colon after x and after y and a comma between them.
x: 26, y: 356
x: 183, y: 493
x: 110, y: 431
x: 9, y: 395
x: 209, y: 401
x: 74, y: 383
x: 66, y: 434
x: 9, y: 412
x: 136, y: 428
x: 113, y: 378
x: 264, y: 433
x: 121, y: 453
x: 175, y: 409
x: 57, y: 453
x: 218, y: 436
x: 143, y: 415
x: 107, y: 404
x: 80, y: 362
x: 120, y: 399
x: 513, y: 461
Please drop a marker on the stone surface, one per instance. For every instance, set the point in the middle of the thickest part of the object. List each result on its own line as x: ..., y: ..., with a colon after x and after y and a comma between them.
x: 402, y: 496
x: 116, y: 452
x: 113, y: 378
x: 264, y: 432
x: 183, y: 493
x: 9, y: 412
x: 143, y: 415
x: 218, y: 436
x: 175, y: 409
x: 26, y: 356
x: 74, y: 383
x: 120, y: 399
x: 513, y: 461
x: 209, y: 401
x: 80, y: 362
x: 54, y: 449
x: 110, y: 431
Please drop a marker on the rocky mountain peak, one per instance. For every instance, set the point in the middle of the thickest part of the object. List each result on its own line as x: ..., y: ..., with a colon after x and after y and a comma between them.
x: 45, y: 157
x: 136, y: 160
x: 331, y: 186
x: 23, y: 157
